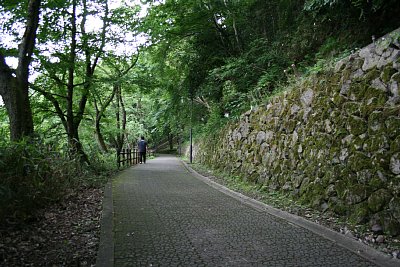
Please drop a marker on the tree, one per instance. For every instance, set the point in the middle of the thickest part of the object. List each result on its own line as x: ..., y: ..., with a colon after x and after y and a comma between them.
x: 114, y: 70
x: 72, y: 77
x: 14, y: 84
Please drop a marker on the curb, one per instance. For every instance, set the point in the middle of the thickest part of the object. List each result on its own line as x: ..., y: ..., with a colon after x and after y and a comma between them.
x: 352, y: 245
x: 105, y: 254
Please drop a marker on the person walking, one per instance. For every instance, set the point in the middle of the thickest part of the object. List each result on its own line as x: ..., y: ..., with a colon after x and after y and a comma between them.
x: 142, y: 147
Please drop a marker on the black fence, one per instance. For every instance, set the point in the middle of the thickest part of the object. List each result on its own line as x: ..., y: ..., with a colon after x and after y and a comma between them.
x: 129, y: 157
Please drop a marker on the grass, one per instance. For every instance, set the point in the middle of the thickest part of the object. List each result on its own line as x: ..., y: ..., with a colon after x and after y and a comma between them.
x: 260, y: 192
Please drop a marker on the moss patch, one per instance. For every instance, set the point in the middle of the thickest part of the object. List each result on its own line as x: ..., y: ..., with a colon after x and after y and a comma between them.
x: 378, y: 199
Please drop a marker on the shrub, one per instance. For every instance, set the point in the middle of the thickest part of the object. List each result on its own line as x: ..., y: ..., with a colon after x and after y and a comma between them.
x: 34, y: 175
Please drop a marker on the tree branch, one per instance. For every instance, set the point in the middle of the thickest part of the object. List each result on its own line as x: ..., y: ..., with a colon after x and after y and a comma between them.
x: 28, y: 40
x: 54, y: 101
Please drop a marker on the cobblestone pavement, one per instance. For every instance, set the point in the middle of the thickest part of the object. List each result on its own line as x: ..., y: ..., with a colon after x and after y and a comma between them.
x: 164, y: 216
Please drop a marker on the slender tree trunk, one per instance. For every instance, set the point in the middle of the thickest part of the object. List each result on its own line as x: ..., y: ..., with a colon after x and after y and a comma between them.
x: 121, y: 122
x: 100, y: 139
x: 72, y: 124
x: 14, y: 86
x: 123, y: 125
x: 234, y: 27
x: 99, y: 115
x: 171, y: 141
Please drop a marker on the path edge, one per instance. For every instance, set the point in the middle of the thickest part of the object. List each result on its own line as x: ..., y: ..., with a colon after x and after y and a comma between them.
x: 350, y: 244
x: 105, y: 253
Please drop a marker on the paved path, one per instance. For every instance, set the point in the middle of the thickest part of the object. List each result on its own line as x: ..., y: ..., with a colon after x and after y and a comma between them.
x: 165, y: 216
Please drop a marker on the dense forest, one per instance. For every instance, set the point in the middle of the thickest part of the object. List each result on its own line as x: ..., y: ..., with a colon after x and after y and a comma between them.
x: 81, y: 79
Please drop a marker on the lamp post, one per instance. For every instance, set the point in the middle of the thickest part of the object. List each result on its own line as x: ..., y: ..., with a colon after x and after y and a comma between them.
x: 191, y: 129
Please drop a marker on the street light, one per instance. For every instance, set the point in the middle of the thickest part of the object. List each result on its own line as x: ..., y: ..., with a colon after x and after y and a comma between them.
x: 191, y: 129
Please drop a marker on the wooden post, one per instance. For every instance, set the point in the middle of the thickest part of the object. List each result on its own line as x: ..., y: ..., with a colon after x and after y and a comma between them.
x: 118, y: 159
x: 128, y: 152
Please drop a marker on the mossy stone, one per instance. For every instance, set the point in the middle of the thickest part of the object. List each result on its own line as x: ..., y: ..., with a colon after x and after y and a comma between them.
x: 330, y: 191
x: 376, y: 182
x: 395, y: 145
x: 277, y: 170
x: 393, y: 126
x: 340, y: 133
x: 365, y: 176
x: 334, y: 153
x: 290, y: 125
x: 346, y: 73
x: 341, y: 188
x: 394, y: 206
x: 378, y: 200
x: 381, y: 159
x: 376, y: 122
x: 389, y: 111
x: 328, y: 177
x: 371, y: 75
x: 375, y: 142
x: 317, y: 187
x: 304, y: 186
x: 357, y: 144
x: 376, y: 96
x: 357, y: 193
x: 347, y: 174
x: 387, y: 73
x: 339, y: 207
x: 338, y: 99
x: 352, y: 108
x: 336, y: 116
x: 356, y: 125
x: 359, y: 214
x: 396, y: 77
x: 392, y: 226
x: 357, y: 90
x: 367, y: 107
x: 359, y: 161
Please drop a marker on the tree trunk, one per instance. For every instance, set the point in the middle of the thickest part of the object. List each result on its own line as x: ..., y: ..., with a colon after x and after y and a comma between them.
x: 100, y: 138
x: 16, y: 99
x: 171, y: 141
x: 76, y: 148
x: 99, y: 116
x: 121, y: 122
x: 14, y: 86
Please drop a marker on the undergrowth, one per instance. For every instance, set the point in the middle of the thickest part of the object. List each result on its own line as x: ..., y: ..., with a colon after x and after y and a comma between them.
x: 33, y: 175
x: 260, y: 192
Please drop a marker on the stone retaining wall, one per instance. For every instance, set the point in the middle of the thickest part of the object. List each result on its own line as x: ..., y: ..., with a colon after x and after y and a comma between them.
x: 332, y: 140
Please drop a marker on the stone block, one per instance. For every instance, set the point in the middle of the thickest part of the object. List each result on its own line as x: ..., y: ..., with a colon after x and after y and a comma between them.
x: 356, y: 125
x: 395, y: 164
x: 378, y: 200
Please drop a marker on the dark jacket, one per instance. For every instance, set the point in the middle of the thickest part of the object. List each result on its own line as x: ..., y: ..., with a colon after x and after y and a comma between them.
x: 142, y: 146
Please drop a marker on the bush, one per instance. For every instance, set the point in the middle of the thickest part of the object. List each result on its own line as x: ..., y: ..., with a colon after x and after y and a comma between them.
x: 34, y: 175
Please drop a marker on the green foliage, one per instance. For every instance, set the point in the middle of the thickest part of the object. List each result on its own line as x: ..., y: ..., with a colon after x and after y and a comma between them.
x: 262, y: 193
x: 4, y: 128
x: 32, y: 175
x: 225, y: 56
x: 231, y: 55
x: 215, y: 121
x: 366, y: 9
